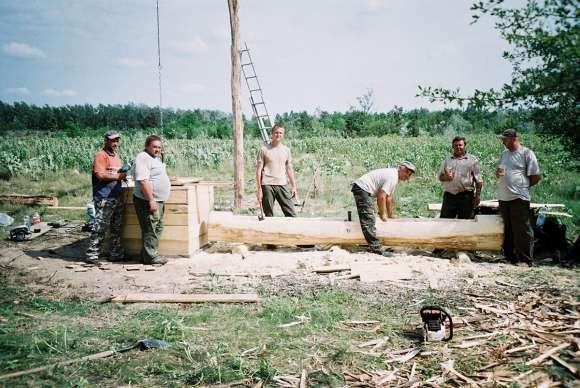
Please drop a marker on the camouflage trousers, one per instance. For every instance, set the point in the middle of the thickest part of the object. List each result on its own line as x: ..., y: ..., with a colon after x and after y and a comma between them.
x: 366, y: 214
x: 108, y: 213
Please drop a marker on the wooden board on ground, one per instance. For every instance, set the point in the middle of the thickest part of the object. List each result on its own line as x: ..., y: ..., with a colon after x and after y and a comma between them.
x: 494, y: 204
x: 185, y: 298
x: 483, y: 233
x: 29, y: 199
x: 41, y: 229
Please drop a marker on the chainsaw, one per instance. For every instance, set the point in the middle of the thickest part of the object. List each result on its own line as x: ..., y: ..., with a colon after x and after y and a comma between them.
x: 434, y: 324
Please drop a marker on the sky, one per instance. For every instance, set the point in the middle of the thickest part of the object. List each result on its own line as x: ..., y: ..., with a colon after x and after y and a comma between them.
x: 309, y: 54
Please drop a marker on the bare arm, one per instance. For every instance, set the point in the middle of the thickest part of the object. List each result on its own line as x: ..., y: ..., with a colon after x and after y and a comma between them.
x: 390, y: 206
x: 385, y: 205
x: 259, y: 168
x: 534, y: 179
x: 147, y: 190
x: 290, y: 173
x: 110, y: 176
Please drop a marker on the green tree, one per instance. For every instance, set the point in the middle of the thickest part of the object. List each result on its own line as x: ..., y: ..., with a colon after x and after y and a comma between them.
x: 544, y: 40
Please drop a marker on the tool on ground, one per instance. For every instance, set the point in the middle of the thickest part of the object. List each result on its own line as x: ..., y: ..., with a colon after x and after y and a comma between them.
x: 20, y: 232
x: 142, y: 344
x: 434, y: 324
x: 256, y: 96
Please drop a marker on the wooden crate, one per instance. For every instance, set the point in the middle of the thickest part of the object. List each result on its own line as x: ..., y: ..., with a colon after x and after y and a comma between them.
x: 185, y: 221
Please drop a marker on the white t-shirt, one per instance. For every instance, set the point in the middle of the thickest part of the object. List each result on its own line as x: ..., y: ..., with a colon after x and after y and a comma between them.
x: 385, y: 179
x: 148, y: 168
x: 518, y: 165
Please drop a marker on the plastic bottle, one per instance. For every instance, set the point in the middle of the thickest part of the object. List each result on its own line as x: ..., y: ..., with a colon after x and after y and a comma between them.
x: 35, y: 219
x: 26, y: 220
x: 91, y: 213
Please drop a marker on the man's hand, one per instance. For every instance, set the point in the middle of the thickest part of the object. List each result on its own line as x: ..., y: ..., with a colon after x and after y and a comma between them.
x: 293, y: 192
x: 152, y: 206
x: 122, y: 176
x: 476, y: 200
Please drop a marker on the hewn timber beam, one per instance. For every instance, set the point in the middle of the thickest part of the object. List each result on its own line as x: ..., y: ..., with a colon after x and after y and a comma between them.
x: 483, y: 233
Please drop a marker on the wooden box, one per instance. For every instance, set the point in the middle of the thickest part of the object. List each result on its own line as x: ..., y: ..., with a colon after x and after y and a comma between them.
x: 185, y: 221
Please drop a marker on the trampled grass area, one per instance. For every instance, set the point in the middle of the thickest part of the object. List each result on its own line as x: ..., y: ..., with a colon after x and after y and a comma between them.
x: 220, y: 344
x: 325, y: 167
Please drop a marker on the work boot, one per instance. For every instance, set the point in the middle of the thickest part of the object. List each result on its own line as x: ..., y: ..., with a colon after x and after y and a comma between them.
x: 93, y: 261
x: 387, y: 252
x: 159, y: 260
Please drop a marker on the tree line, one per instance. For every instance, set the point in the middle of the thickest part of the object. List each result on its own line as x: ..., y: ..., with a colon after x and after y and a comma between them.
x: 87, y: 120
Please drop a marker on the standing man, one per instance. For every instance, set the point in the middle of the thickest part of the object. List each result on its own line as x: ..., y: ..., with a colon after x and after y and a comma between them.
x: 518, y: 170
x: 273, y: 173
x: 462, y: 182
x: 152, y: 189
x: 380, y: 183
x: 107, y: 181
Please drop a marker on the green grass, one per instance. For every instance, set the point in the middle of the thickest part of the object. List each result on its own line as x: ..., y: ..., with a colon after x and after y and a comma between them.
x: 57, y: 166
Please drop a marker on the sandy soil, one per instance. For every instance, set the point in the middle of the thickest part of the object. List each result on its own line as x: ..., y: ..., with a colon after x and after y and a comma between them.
x: 53, y: 263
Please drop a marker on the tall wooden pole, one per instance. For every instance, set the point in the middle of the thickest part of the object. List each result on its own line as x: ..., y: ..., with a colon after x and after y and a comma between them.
x: 238, y: 125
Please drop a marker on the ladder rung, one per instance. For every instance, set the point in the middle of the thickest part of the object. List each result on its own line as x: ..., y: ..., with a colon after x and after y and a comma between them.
x: 247, y: 64
x: 255, y: 90
x: 254, y: 76
x: 260, y: 103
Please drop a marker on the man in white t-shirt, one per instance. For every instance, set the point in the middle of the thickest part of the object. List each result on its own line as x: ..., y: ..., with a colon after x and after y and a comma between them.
x: 152, y: 189
x: 517, y: 170
x: 379, y: 184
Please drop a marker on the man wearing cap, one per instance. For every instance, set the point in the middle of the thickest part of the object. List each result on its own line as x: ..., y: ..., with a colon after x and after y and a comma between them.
x: 107, y: 180
x: 517, y: 170
x: 380, y: 183
x: 462, y: 182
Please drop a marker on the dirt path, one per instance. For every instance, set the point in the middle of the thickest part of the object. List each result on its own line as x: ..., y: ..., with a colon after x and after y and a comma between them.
x: 53, y: 263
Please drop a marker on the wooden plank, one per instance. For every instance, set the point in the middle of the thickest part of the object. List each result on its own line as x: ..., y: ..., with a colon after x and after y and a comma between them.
x: 29, y: 199
x: 185, y: 298
x: 170, y: 232
x: 133, y: 246
x: 483, y: 233
x: 493, y: 204
x: 169, y: 219
x: 178, y: 195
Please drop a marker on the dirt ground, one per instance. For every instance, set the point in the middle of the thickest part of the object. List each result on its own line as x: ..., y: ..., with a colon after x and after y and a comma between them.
x: 54, y: 263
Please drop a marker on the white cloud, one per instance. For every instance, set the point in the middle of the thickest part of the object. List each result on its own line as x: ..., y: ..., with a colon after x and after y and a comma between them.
x: 195, y: 46
x: 131, y: 62
x: 23, y: 50
x: 22, y: 91
x: 59, y: 93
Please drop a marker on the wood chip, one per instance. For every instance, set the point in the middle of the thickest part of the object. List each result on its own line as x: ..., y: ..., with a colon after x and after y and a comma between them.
x: 547, y: 354
x: 132, y: 267
x: 406, y: 357
x: 448, y: 366
x: 330, y: 269
x: 571, y: 368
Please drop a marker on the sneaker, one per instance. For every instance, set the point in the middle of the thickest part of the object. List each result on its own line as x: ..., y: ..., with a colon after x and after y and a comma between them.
x: 159, y: 260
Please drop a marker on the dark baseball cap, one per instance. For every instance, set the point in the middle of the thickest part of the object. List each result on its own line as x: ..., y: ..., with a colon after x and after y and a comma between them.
x: 111, y: 135
x: 509, y: 133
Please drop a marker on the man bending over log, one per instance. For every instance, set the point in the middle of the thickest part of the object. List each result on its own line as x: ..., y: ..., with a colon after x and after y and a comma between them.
x: 380, y: 183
